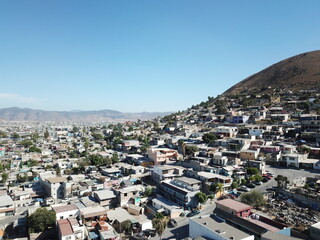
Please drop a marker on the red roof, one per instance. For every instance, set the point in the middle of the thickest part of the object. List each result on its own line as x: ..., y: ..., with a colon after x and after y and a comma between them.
x: 233, y: 205
x: 65, y: 227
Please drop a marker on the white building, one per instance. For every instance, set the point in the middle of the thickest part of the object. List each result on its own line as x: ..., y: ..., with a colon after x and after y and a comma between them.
x: 6, y: 206
x: 215, y: 229
x: 66, y: 211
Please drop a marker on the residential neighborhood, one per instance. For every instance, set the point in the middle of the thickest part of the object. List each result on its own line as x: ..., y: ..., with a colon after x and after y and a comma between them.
x: 233, y: 167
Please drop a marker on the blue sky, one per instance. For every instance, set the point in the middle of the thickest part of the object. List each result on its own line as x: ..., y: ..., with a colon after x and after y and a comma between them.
x: 143, y: 55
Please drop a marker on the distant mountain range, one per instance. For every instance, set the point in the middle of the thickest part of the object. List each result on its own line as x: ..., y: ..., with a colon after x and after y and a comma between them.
x: 300, y: 72
x: 26, y: 114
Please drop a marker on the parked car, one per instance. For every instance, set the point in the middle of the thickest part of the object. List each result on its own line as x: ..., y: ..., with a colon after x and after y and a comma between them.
x: 244, y: 189
x: 172, y: 223
x: 257, y: 183
x: 140, y: 236
x: 150, y: 232
x: 232, y: 196
x: 223, y: 197
x: 264, y: 180
x: 251, y: 185
x: 193, y: 213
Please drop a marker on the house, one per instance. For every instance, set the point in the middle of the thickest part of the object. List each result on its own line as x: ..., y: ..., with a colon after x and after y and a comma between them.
x: 89, y: 214
x: 292, y: 160
x: 166, y: 172
x: 110, y: 172
x: 169, y: 208
x: 118, y: 216
x: 70, y: 229
x: 106, y: 198
x: 225, y: 131
x: 162, y: 155
x: 7, y: 207
x: 234, y: 207
x: 279, y: 117
x: 220, y: 160
x: 106, y: 231
x: 249, y: 154
x: 211, y: 178
x: 66, y: 211
x: 270, y: 149
x: 238, y: 119
x: 56, y: 187
x: 310, y: 123
x: 128, y: 145
x: 178, y: 192
x: 215, y: 228
x: 130, y: 194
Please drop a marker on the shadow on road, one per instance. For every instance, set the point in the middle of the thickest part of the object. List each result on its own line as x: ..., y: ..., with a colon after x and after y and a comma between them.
x: 179, y: 233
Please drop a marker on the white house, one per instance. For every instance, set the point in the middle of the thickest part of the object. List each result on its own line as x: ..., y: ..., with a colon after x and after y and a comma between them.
x: 211, y: 228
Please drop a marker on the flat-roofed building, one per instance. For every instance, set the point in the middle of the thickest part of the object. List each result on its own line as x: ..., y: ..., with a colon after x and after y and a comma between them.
x: 6, y: 206
x: 66, y: 211
x: 234, y: 207
x: 216, y: 229
x: 179, y: 192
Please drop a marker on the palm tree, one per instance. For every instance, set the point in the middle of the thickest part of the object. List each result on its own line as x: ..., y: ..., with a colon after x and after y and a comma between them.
x: 159, y: 222
x: 219, y: 187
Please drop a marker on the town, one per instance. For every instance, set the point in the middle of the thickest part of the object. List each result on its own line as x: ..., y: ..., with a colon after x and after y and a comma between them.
x: 242, y: 166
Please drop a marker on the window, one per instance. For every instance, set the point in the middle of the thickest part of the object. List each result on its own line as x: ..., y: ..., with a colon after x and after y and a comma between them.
x: 126, y: 194
x: 61, y: 217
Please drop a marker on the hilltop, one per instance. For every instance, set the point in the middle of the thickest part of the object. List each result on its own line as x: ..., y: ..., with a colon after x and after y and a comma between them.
x: 26, y: 114
x: 300, y: 72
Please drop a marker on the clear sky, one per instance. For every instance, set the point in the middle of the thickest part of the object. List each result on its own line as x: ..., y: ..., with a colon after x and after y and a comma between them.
x: 143, y: 55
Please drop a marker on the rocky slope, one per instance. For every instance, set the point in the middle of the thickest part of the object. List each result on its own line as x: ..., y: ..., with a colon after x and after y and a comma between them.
x: 300, y: 72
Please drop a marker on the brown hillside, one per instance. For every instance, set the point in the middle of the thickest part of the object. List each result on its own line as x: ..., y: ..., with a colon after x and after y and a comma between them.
x: 301, y: 72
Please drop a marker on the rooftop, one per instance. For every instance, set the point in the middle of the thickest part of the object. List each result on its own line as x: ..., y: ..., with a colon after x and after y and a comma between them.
x: 233, y: 204
x: 64, y: 208
x: 65, y: 227
x: 221, y: 228
x: 56, y: 179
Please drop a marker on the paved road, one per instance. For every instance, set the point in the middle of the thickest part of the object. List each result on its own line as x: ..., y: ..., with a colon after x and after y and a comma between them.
x: 291, y: 174
x: 5, y: 221
x: 182, y: 230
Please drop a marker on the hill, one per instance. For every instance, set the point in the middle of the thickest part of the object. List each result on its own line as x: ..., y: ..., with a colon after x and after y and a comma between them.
x: 26, y: 114
x: 300, y: 72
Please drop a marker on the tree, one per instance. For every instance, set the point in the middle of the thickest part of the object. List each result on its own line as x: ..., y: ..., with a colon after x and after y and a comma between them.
x: 4, y: 177
x: 219, y: 187
x: 209, y: 137
x: 257, y: 178
x: 234, y: 185
x: 46, y: 134
x: 252, y: 170
x: 148, y: 192
x: 252, y: 198
x: 42, y: 219
x: 126, y: 226
x: 15, y: 136
x: 201, y: 197
x: 26, y: 143
x: 190, y: 150
x: 3, y: 134
x: 22, y: 178
x: 34, y: 149
x: 114, y: 158
x: 159, y: 222
x: 282, y: 181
